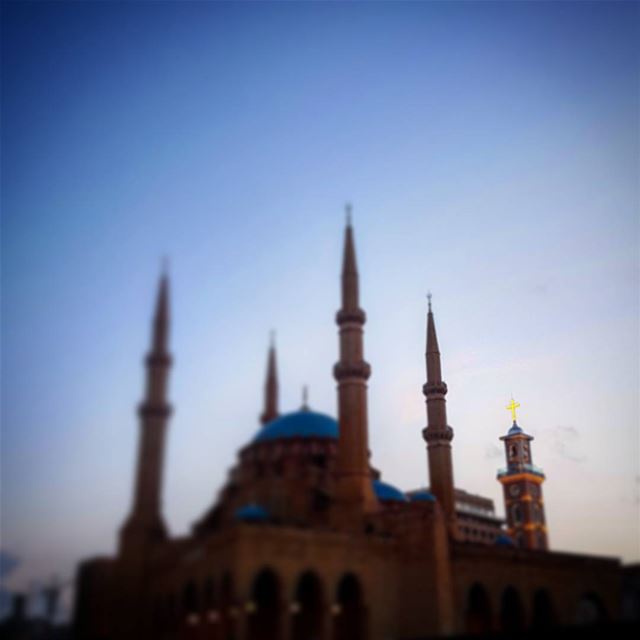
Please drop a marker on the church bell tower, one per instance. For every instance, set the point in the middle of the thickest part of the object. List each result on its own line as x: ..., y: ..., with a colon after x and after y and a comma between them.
x: 522, y: 485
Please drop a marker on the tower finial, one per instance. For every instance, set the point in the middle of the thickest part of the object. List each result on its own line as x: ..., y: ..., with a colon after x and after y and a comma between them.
x: 270, y: 411
x: 349, y: 269
x: 305, y: 398
x: 348, y: 211
x: 429, y: 299
x: 160, y: 334
x: 164, y: 265
x: 512, y: 406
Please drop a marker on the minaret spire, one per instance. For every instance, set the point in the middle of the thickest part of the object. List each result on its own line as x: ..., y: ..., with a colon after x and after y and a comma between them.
x: 350, y: 293
x: 434, y: 373
x: 270, y: 411
x: 354, y: 493
x: 161, y: 317
x: 145, y: 523
x: 438, y: 434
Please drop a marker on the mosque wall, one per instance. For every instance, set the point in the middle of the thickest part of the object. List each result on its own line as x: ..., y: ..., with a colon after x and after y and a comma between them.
x: 510, y: 589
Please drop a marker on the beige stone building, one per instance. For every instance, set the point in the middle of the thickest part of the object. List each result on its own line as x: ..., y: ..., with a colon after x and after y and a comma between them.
x: 307, y: 542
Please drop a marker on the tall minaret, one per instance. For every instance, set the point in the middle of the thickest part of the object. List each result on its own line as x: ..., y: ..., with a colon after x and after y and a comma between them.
x: 270, y: 386
x: 145, y: 523
x: 354, y: 492
x: 438, y: 434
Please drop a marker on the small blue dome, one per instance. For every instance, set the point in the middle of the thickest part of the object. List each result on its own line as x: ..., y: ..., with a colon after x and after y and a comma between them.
x: 387, y: 493
x: 515, y: 430
x: 422, y: 496
x: 300, y: 424
x: 504, y: 540
x: 251, y: 513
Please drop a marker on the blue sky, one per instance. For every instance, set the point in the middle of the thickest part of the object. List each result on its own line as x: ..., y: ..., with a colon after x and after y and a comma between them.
x: 491, y: 154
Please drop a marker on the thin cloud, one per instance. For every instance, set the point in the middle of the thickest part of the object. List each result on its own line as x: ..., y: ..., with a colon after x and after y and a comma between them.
x: 493, y: 452
x: 539, y: 289
x: 565, y: 441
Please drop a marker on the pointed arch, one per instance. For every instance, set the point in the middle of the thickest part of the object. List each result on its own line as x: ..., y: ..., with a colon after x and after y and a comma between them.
x: 307, y: 617
x: 208, y: 593
x: 350, y: 621
x: 591, y: 610
x: 511, y: 611
x: 190, y: 598
x: 228, y: 607
x: 211, y: 610
x: 189, y: 611
x: 478, y: 613
x: 544, y: 611
x: 265, y: 607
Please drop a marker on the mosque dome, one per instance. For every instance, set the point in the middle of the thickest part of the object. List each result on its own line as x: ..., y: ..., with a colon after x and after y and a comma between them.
x: 251, y: 513
x: 504, y: 541
x: 388, y: 493
x: 299, y: 424
x: 422, y: 496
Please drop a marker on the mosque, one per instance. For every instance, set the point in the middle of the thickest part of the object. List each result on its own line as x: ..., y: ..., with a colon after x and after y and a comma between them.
x: 306, y: 541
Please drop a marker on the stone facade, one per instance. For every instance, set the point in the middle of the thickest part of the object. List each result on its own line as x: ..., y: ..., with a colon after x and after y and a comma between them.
x: 306, y: 542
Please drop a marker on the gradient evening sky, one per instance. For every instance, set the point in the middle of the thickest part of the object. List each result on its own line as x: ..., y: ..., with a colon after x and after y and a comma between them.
x: 491, y: 152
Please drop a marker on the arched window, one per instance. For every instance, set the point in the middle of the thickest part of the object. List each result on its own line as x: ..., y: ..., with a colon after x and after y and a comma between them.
x: 590, y: 610
x: 159, y: 613
x: 478, y: 616
x: 544, y: 614
x: 228, y: 607
x: 349, y: 610
x: 208, y: 594
x: 307, y: 608
x: 172, y: 611
x: 190, y: 598
x: 511, y: 611
x: 264, y: 608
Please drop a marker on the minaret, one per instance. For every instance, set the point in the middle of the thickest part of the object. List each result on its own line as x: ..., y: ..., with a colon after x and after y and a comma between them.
x: 271, y: 386
x: 522, y: 485
x: 145, y: 523
x: 438, y: 434
x: 354, y: 491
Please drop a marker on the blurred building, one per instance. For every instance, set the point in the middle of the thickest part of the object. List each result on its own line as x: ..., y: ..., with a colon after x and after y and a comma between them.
x: 18, y: 625
x: 307, y: 541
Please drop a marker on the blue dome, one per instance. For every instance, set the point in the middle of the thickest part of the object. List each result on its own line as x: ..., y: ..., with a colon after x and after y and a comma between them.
x: 251, y: 513
x: 504, y: 541
x: 300, y: 424
x: 422, y: 496
x: 387, y: 493
x: 515, y: 429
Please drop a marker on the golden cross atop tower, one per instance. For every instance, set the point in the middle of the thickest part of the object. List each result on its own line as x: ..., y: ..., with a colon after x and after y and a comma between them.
x: 512, y: 406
